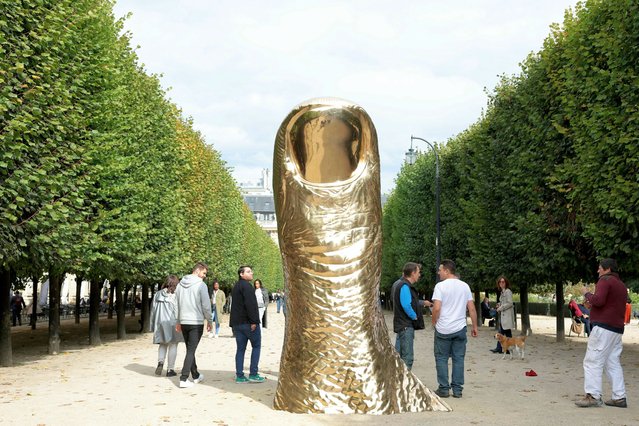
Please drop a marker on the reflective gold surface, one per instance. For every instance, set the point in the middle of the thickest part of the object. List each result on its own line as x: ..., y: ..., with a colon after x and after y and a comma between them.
x: 337, y: 355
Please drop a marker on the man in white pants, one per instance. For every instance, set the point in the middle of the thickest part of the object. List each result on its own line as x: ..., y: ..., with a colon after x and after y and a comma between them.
x: 607, y: 310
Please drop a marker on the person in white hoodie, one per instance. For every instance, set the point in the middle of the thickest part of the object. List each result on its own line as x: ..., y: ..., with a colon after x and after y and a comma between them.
x: 193, y: 307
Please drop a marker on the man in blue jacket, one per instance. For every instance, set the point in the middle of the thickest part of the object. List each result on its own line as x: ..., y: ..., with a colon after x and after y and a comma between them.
x: 407, y: 312
x: 245, y: 321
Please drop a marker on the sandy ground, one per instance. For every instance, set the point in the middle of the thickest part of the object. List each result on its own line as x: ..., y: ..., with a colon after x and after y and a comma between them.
x: 115, y: 383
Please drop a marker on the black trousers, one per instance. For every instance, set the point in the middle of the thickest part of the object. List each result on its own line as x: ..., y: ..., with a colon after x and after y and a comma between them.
x: 16, y: 315
x: 507, y: 333
x: 192, y: 335
x: 264, y: 318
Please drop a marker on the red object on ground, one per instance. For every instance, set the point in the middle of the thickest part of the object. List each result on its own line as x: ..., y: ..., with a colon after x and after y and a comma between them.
x: 531, y: 373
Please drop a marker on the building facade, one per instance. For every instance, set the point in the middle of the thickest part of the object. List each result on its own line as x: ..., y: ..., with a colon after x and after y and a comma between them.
x: 259, y: 199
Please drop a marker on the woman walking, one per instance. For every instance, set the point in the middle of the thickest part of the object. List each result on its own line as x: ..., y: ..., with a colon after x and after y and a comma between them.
x: 163, y: 320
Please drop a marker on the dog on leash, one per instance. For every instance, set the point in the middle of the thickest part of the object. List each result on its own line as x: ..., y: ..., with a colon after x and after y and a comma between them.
x: 518, y: 343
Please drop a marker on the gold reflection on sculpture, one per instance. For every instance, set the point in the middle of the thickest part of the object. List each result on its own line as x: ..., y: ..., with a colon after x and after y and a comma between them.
x: 337, y: 355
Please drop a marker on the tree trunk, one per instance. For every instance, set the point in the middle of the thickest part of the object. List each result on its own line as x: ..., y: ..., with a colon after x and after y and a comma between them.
x: 125, y: 299
x: 119, y: 308
x: 134, y: 296
x: 559, y: 294
x: 477, y: 296
x: 145, y: 314
x: 94, y: 312
x: 6, y: 353
x: 55, y: 282
x: 78, y: 292
x: 154, y: 288
x: 111, y: 300
x: 525, y: 312
x: 33, y: 318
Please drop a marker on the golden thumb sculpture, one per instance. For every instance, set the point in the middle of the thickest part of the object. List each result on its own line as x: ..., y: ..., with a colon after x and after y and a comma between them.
x: 337, y: 355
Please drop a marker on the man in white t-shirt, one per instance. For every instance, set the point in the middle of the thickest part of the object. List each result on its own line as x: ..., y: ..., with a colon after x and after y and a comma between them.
x: 451, y: 298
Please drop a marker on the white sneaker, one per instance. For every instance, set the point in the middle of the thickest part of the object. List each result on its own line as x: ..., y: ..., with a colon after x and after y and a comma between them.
x: 210, y: 336
x: 187, y: 384
x: 199, y: 379
x: 217, y: 335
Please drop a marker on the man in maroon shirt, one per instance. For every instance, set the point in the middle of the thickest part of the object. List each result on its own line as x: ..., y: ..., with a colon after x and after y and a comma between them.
x: 608, y: 304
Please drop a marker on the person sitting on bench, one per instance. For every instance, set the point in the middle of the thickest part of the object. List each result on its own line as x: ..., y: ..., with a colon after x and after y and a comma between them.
x: 486, y: 311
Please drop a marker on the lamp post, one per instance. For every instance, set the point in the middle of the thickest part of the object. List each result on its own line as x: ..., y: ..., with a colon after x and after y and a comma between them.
x: 411, y: 156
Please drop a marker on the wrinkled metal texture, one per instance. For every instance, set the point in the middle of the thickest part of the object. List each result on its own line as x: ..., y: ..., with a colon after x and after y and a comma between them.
x: 337, y: 355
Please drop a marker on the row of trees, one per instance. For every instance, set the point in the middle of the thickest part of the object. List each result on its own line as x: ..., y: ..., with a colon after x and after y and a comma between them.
x: 547, y: 181
x: 100, y: 174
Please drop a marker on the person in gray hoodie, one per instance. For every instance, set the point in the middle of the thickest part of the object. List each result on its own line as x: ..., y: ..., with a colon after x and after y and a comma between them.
x: 193, y: 307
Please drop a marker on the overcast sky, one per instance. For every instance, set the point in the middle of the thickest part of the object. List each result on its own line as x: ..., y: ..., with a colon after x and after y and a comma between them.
x: 417, y: 67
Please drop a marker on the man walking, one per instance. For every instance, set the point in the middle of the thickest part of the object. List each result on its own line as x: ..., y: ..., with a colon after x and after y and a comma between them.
x: 218, y: 299
x: 193, y: 307
x: 407, y: 312
x: 17, y: 304
x: 607, y: 309
x: 245, y: 321
x: 451, y: 298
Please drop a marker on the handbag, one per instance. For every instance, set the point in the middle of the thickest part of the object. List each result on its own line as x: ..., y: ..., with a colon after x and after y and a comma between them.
x: 576, y: 327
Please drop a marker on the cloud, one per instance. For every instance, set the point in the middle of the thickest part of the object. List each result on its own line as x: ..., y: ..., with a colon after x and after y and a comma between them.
x: 225, y: 138
x: 417, y: 67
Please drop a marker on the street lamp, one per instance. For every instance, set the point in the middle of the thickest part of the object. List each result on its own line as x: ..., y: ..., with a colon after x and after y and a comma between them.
x: 411, y: 156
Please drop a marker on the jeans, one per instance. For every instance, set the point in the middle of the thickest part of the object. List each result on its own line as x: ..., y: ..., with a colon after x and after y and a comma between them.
x: 192, y: 335
x: 278, y: 302
x: 243, y: 335
x: 404, y: 345
x: 450, y: 346
x: 215, y: 318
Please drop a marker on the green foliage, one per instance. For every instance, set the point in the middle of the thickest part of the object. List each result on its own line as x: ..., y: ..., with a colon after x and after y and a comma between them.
x: 408, y: 223
x: 46, y: 66
x: 546, y: 181
x: 596, y: 87
x: 99, y: 173
x: 222, y: 231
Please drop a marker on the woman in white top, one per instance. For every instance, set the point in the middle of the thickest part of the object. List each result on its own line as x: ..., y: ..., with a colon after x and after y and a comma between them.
x: 259, y: 295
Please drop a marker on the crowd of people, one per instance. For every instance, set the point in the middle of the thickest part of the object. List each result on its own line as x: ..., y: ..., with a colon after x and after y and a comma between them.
x: 451, y: 299
x: 604, y: 313
x: 182, y: 307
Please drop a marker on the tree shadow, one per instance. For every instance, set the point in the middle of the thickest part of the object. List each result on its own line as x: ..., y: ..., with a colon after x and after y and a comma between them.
x: 32, y: 345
